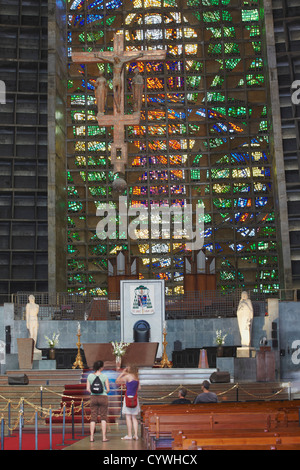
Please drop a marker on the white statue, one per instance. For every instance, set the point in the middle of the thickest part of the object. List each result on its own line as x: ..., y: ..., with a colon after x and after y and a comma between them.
x: 32, y: 324
x: 245, y: 319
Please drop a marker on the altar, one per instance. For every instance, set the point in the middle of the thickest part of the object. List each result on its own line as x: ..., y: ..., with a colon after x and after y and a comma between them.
x: 143, y: 355
x: 139, y: 354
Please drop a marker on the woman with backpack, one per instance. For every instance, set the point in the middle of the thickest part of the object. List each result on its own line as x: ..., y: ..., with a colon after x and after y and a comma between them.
x: 97, y: 385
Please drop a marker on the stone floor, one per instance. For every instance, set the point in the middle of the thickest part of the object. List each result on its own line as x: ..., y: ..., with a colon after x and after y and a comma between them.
x: 114, y: 443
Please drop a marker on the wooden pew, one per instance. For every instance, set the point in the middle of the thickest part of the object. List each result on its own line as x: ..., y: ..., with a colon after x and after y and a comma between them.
x: 249, y: 447
x: 286, y: 406
x: 279, y: 405
x: 159, y: 421
x: 236, y: 441
x: 162, y: 426
x: 178, y: 437
x: 210, y: 421
x: 289, y: 410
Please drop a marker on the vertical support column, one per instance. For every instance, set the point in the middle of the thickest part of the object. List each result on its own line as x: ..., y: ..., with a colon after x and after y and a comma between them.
x: 57, y: 83
x: 284, y: 250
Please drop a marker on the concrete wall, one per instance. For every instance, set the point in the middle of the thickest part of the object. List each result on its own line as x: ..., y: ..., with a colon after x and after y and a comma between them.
x: 289, y: 334
x: 57, y: 202
x: 91, y: 331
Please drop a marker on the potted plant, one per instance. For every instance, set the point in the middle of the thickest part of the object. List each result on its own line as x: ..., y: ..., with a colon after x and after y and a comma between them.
x: 220, y: 341
x: 119, y: 349
x: 52, y: 342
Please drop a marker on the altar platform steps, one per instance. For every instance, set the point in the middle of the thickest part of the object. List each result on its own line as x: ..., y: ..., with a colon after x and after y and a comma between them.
x: 52, y: 377
x: 53, y: 384
x: 31, y: 394
x: 33, y: 401
x: 173, y: 376
x: 77, y: 395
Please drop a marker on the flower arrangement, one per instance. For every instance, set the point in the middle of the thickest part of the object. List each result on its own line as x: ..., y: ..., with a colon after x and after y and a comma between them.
x: 119, y: 349
x: 220, y: 339
x: 53, y: 341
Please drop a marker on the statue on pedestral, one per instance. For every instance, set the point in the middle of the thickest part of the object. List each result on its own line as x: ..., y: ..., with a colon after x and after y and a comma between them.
x: 101, y: 88
x: 32, y: 324
x: 245, y: 318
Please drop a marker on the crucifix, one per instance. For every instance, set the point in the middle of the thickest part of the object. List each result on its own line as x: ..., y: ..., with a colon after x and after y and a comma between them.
x: 118, y: 57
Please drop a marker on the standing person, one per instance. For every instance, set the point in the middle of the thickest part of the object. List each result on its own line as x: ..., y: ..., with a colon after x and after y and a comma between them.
x: 206, y: 396
x: 99, y: 398
x: 130, y: 377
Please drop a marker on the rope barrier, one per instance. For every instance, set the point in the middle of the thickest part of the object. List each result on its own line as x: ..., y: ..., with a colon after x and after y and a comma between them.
x: 236, y: 386
x: 261, y: 396
x: 47, y: 412
x: 87, y: 402
x: 163, y: 397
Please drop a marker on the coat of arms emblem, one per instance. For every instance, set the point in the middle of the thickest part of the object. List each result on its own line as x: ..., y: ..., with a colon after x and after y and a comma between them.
x: 142, y: 303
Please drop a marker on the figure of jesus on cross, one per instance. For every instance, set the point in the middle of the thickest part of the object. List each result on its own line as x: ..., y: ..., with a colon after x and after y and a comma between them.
x: 118, y: 64
x: 118, y: 57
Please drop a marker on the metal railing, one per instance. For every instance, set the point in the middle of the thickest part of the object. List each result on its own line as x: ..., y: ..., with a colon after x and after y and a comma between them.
x: 58, y: 306
x: 67, y: 306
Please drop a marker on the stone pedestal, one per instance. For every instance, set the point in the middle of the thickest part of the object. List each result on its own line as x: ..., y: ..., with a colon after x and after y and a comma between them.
x: 44, y: 365
x: 240, y: 368
x: 265, y: 364
x: 12, y: 362
x: 245, y: 369
x: 245, y: 351
x: 226, y: 363
x: 37, y: 355
x: 25, y: 352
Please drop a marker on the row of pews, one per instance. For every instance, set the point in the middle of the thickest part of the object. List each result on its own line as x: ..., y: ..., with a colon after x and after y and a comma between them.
x: 252, y: 425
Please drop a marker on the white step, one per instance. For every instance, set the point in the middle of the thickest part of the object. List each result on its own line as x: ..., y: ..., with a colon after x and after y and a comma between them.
x: 170, y: 376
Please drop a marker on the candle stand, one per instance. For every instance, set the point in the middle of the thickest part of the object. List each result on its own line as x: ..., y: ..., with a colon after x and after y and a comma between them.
x: 78, y: 361
x: 165, y: 361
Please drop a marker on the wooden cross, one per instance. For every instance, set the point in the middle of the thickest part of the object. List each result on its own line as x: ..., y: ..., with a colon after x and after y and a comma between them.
x: 118, y: 57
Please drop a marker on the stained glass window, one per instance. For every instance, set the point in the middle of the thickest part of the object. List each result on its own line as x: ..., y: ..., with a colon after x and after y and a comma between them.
x: 203, y: 138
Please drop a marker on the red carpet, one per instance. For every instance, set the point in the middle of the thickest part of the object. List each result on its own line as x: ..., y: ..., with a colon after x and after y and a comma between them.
x: 28, y: 441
